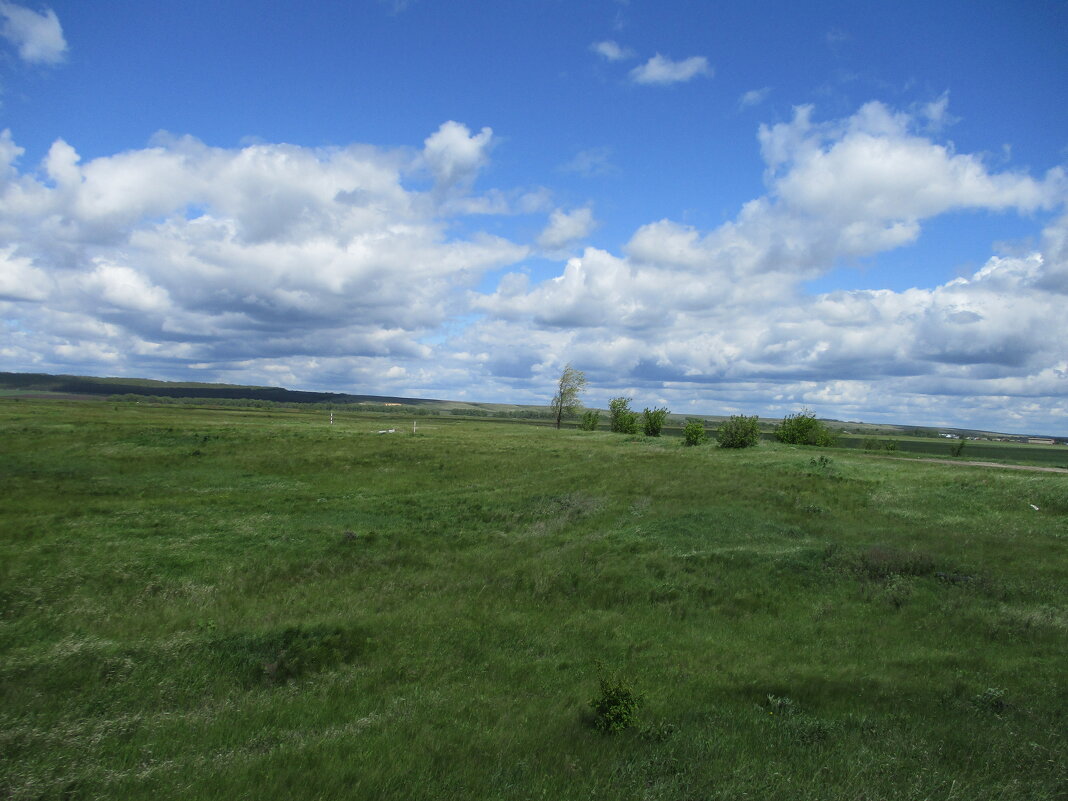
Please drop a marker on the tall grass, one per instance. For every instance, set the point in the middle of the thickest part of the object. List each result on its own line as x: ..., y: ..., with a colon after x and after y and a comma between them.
x: 203, y: 603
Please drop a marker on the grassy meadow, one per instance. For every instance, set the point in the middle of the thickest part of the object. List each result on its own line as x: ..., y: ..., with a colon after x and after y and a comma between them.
x: 239, y: 603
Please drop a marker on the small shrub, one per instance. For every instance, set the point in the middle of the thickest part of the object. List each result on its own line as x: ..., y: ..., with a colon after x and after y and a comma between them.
x: 621, y: 419
x: 957, y: 448
x: 653, y: 421
x: 590, y: 420
x: 804, y: 429
x: 738, y: 431
x: 992, y: 699
x: 781, y: 705
x: 822, y: 463
x: 616, y: 708
x: 693, y: 433
x: 872, y: 444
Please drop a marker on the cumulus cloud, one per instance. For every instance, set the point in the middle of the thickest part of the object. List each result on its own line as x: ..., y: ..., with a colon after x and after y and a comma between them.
x: 454, y: 155
x: 611, y: 50
x: 566, y: 228
x: 37, y: 36
x: 189, y: 255
x: 322, y: 268
x: 684, y: 313
x: 662, y: 71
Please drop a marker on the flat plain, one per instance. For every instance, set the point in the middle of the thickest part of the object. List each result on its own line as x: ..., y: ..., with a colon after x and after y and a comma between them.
x: 201, y: 602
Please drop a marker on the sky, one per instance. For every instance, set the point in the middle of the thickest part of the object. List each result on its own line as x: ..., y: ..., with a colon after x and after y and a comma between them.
x: 857, y: 208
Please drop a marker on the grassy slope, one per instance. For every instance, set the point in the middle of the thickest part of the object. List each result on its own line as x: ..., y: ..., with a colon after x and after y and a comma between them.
x: 201, y: 603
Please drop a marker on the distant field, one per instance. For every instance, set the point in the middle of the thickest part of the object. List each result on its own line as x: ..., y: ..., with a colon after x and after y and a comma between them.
x: 1009, y: 452
x: 251, y: 603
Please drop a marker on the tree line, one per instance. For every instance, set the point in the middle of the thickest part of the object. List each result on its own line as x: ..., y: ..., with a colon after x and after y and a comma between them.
x: 737, y: 431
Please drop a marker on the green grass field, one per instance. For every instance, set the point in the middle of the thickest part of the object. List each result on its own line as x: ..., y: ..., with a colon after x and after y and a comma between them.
x: 212, y: 603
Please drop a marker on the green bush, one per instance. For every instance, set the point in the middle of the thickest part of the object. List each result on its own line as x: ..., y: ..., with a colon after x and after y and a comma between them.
x: 590, y: 420
x: 621, y: 419
x: 957, y: 448
x: 653, y: 421
x: 804, y: 429
x: 738, y: 431
x: 616, y: 708
x: 693, y: 433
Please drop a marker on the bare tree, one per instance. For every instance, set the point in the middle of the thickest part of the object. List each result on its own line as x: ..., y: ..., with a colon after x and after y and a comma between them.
x: 566, y: 399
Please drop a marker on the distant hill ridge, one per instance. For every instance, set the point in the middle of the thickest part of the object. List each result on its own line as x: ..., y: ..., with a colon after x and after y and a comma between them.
x: 89, y: 385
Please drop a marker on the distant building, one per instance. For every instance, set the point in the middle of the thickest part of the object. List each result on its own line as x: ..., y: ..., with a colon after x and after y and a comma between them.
x: 1039, y: 441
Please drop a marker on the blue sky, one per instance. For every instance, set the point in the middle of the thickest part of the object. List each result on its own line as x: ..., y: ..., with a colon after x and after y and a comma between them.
x: 720, y: 207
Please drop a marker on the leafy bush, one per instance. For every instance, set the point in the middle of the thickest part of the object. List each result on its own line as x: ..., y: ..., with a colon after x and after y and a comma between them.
x: 653, y: 421
x: 804, y: 429
x: 616, y: 707
x: 738, y: 431
x: 693, y: 433
x: 957, y: 448
x: 621, y: 419
x: 590, y: 420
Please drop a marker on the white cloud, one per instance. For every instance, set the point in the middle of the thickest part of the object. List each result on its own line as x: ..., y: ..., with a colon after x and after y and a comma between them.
x: 937, y: 113
x: 611, y: 50
x: 723, y: 315
x: 566, y: 228
x: 321, y: 268
x: 453, y: 155
x: 38, y: 36
x: 662, y: 71
x: 20, y: 280
x: 185, y: 254
x: 754, y: 97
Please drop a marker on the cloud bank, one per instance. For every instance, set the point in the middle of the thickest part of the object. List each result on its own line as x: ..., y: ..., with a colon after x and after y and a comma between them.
x: 366, y: 269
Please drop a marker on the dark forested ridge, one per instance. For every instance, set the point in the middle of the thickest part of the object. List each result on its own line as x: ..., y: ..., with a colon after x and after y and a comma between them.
x: 87, y: 385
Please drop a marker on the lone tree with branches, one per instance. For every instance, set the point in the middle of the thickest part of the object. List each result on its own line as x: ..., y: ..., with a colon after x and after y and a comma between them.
x: 566, y: 400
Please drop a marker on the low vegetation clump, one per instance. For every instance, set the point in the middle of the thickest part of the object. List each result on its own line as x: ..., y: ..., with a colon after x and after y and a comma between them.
x: 621, y: 420
x: 591, y: 418
x: 229, y: 602
x: 693, y: 433
x: 804, y: 429
x: 875, y: 444
x: 653, y: 421
x: 616, y: 707
x: 738, y: 431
